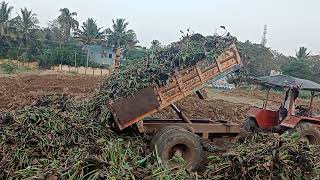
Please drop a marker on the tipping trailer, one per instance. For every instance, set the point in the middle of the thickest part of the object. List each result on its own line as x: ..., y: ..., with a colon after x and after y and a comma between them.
x: 178, y: 136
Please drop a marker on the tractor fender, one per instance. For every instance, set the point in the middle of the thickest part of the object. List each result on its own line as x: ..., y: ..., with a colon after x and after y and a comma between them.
x: 253, y: 112
x: 293, y: 121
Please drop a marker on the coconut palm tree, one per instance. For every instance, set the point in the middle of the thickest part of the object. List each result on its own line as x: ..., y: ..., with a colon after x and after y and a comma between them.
x: 67, y: 22
x: 119, y: 36
x: 26, y: 25
x: 5, y: 12
x: 90, y: 33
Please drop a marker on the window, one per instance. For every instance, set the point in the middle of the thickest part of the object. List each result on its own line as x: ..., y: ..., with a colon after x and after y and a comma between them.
x: 110, y: 55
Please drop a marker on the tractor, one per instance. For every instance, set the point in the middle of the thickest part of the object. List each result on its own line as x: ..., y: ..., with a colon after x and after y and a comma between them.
x: 288, y: 117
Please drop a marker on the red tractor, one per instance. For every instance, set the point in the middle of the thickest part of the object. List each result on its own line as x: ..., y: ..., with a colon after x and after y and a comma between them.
x: 287, y: 117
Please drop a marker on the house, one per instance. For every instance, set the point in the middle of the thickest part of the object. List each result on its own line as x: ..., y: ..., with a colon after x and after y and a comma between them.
x: 100, y: 54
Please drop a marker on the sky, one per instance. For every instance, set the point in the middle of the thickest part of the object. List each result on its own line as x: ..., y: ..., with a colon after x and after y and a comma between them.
x: 291, y: 23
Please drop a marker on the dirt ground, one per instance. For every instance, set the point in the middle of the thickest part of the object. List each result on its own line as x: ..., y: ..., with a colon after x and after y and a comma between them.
x: 17, y: 91
x: 215, y: 109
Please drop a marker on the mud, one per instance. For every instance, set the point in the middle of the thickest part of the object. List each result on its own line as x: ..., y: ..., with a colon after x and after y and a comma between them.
x: 21, y: 90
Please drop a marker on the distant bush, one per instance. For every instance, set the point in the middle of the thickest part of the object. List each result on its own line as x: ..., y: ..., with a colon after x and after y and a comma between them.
x: 9, y: 67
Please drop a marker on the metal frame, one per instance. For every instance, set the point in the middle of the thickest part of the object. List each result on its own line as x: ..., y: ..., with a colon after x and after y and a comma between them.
x: 205, y: 128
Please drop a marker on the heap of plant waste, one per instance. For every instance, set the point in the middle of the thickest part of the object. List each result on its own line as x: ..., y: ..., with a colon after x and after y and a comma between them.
x: 267, y: 156
x: 157, y: 68
x: 160, y: 65
x: 54, y: 138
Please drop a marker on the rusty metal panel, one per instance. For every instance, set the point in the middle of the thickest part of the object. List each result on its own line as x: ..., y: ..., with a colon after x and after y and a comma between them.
x: 126, y: 110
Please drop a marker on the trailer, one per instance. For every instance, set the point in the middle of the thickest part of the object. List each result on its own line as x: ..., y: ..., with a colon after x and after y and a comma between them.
x: 178, y: 137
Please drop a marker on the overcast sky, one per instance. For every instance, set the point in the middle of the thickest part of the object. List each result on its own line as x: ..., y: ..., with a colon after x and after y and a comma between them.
x: 291, y: 23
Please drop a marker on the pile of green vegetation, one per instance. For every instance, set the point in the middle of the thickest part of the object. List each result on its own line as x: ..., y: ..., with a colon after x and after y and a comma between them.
x: 156, y: 69
x: 57, y: 137
x: 267, y: 156
x: 54, y: 138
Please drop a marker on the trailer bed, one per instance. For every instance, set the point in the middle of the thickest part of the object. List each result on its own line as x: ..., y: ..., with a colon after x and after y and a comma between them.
x: 130, y: 110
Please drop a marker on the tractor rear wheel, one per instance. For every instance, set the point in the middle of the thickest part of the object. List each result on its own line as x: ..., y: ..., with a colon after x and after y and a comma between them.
x: 180, y: 144
x: 307, y: 133
x: 250, y: 125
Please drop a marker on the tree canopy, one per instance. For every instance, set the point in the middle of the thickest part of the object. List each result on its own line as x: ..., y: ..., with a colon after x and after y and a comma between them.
x: 119, y: 36
x: 90, y: 33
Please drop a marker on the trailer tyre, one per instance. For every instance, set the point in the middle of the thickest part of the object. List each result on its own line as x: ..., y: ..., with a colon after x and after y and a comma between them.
x: 307, y: 133
x: 161, y: 132
x: 177, y: 142
x: 250, y: 125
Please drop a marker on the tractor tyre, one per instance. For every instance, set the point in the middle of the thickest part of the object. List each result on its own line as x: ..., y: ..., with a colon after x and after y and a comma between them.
x: 161, y: 132
x: 182, y: 143
x: 307, y: 133
x: 250, y: 125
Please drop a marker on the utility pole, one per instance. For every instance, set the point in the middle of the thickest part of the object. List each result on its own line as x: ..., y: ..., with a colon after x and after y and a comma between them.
x: 87, y: 61
x: 75, y: 61
x: 264, y: 36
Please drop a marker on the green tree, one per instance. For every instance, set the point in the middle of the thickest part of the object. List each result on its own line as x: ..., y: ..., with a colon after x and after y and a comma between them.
x: 302, y: 53
x: 5, y: 12
x: 299, y: 69
x: 67, y: 22
x: 53, y: 32
x: 119, y: 36
x: 135, y: 54
x: 26, y: 25
x: 90, y: 33
x: 258, y: 60
x: 155, y: 45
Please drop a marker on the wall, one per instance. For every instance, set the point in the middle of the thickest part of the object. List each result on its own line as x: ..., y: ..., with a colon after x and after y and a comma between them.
x: 100, y: 54
x: 82, y: 70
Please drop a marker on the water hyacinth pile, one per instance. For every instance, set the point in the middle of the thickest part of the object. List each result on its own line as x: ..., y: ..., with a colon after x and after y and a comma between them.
x: 267, y: 156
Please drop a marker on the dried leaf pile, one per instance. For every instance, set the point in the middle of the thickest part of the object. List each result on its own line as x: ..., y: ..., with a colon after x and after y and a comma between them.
x: 267, y: 156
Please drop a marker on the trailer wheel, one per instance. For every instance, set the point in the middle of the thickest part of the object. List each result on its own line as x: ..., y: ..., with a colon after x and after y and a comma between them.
x: 307, y: 133
x: 162, y: 131
x: 181, y: 143
x: 250, y: 125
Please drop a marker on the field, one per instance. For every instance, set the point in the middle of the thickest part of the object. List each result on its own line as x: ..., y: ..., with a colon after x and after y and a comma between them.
x: 17, y: 91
